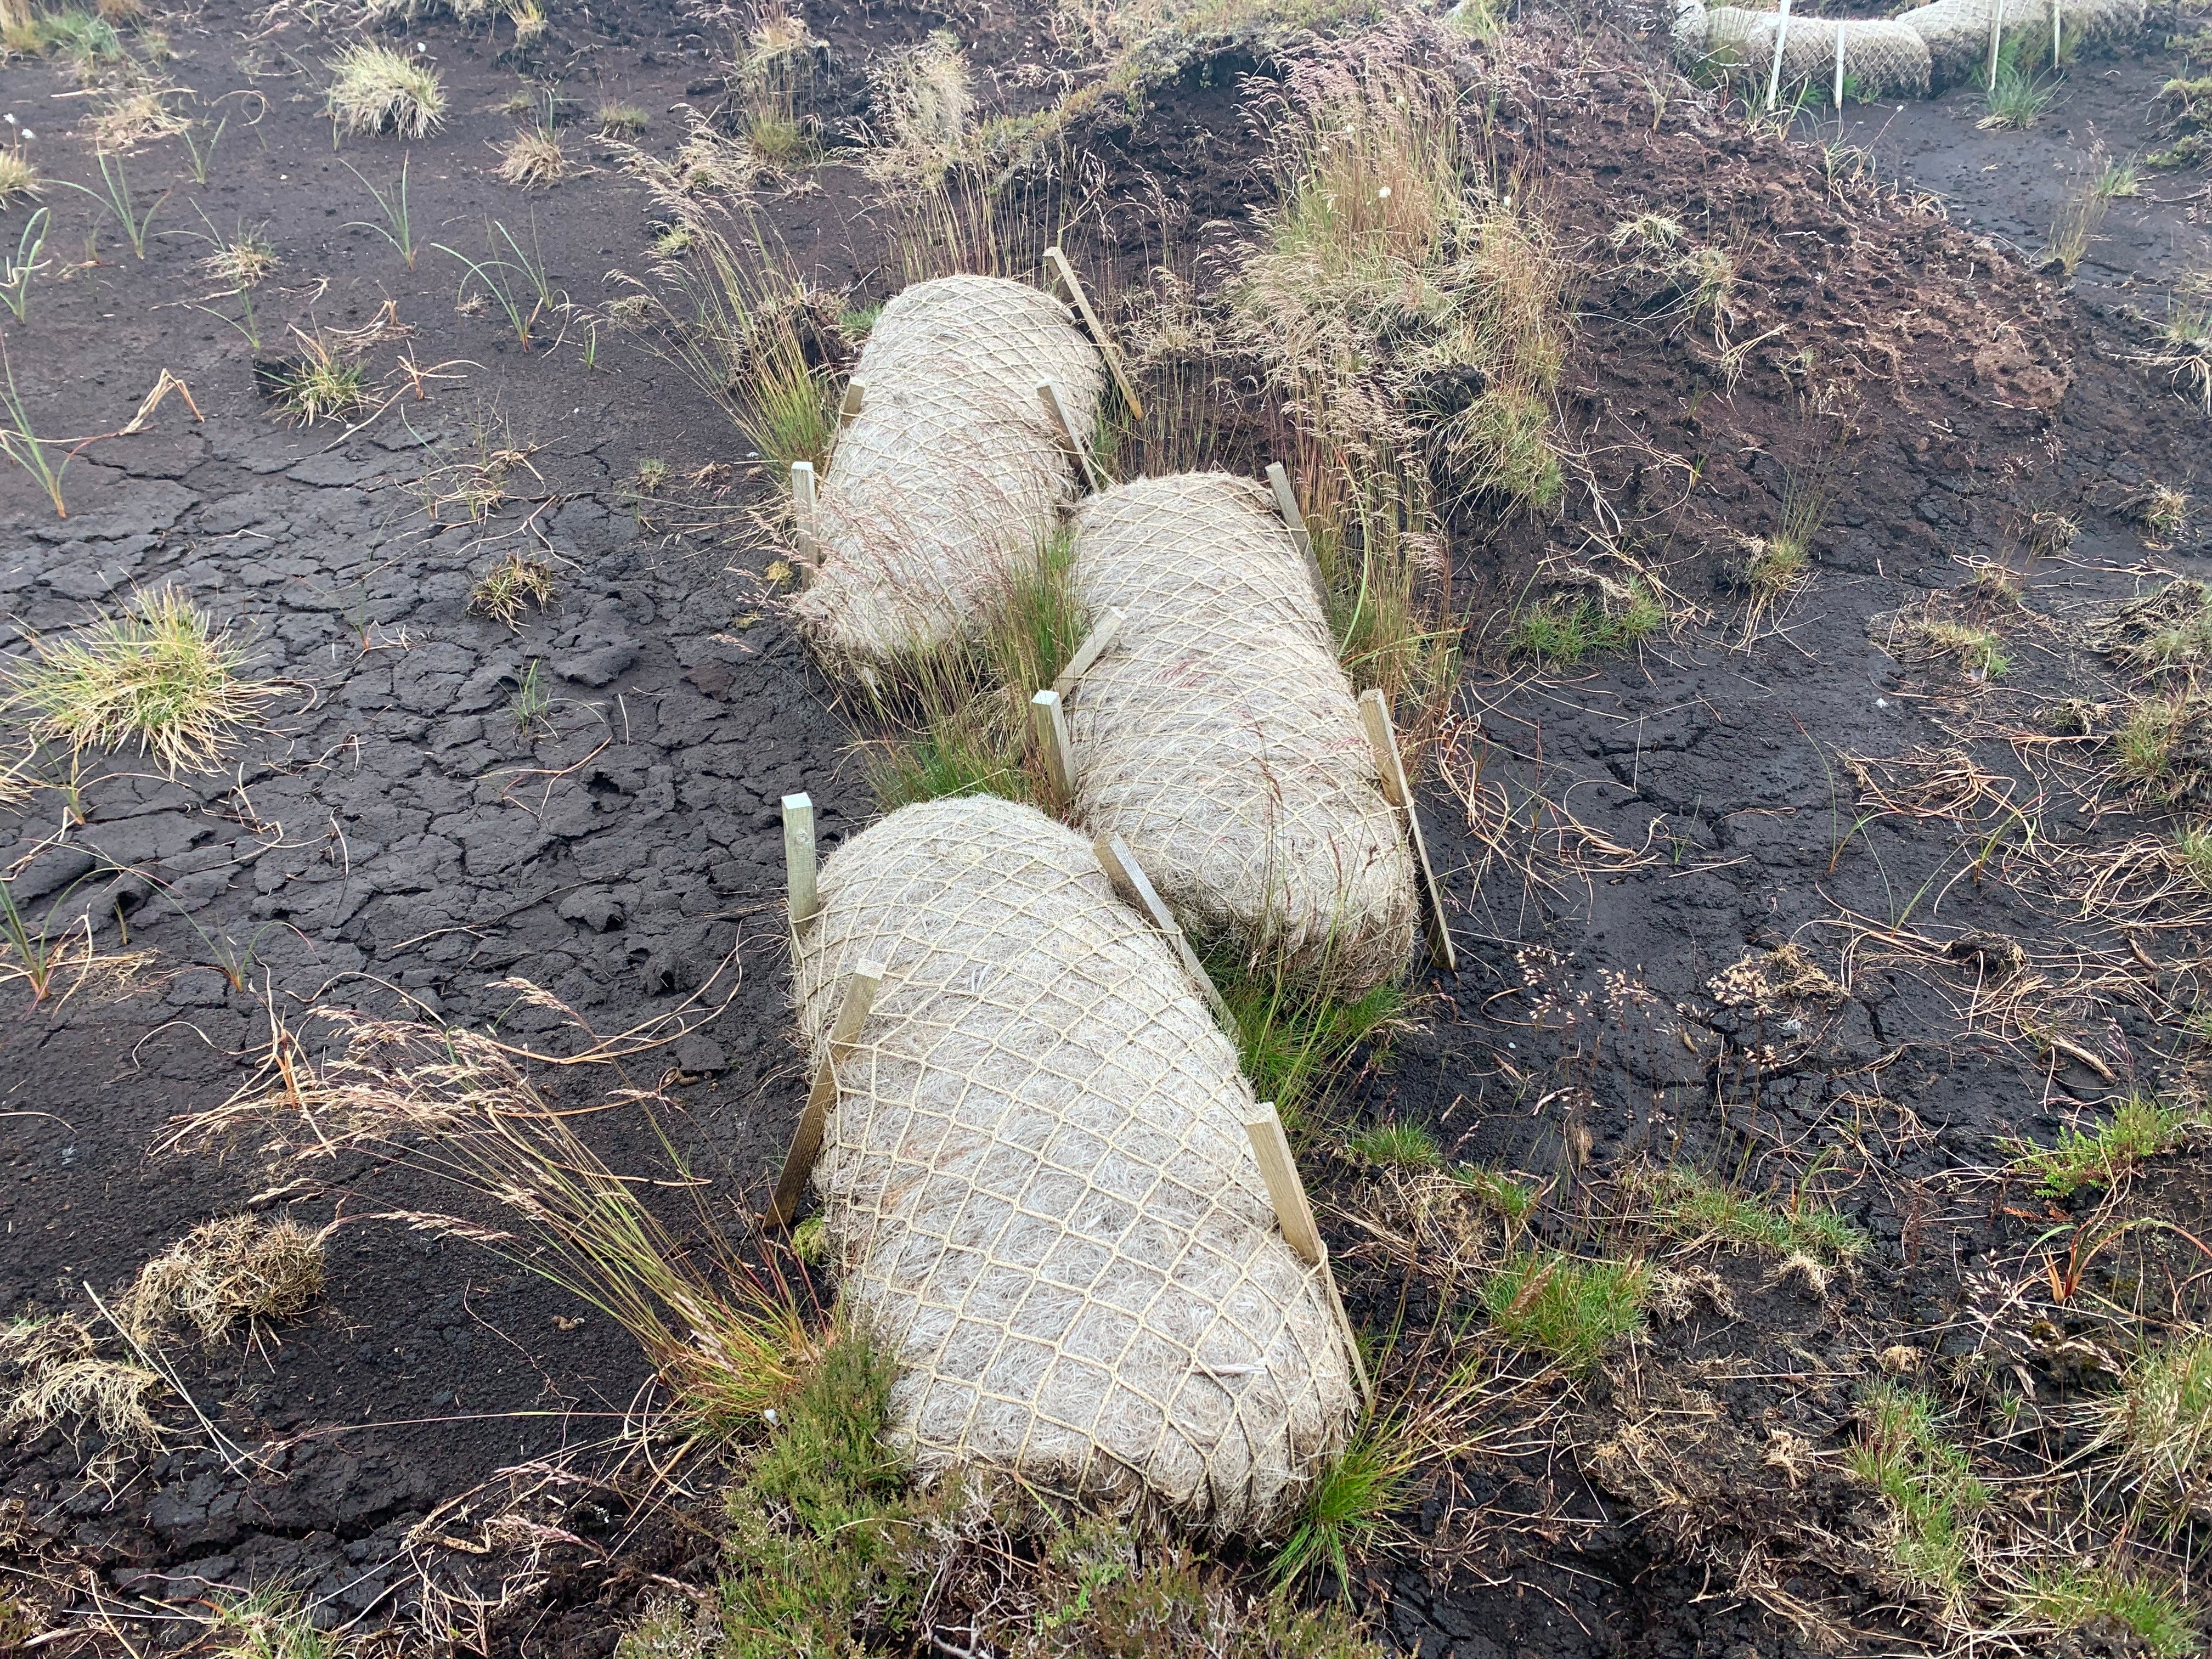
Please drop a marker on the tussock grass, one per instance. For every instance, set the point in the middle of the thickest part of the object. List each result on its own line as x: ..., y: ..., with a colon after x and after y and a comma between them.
x: 2081, y: 215
x: 322, y: 383
x: 531, y: 160
x: 771, y: 80
x: 1347, y: 1513
x: 1933, y: 1494
x: 160, y: 675
x: 728, y: 1339
x: 272, y: 1622
x: 1514, y: 1201
x: 1562, y: 633
x: 375, y: 89
x: 923, y: 109
x: 19, y: 180
x: 516, y: 580
x: 241, y: 1267
x: 2081, y: 1596
x: 2158, y: 1428
x: 1693, y: 1205
x: 2140, y: 1130
x: 1564, y: 1306
x: 1395, y: 265
x: 1403, y: 1145
x: 1980, y: 652
x: 2161, y: 509
x: 2016, y: 99
x: 1293, y: 1041
x: 55, y: 1374
x: 242, y: 259
x: 2166, y: 632
x: 621, y: 120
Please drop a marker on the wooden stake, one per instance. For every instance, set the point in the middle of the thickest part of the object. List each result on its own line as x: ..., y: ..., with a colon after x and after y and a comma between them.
x: 1073, y: 285
x: 856, y: 394
x: 1093, y: 647
x: 1382, y: 739
x: 807, y: 1145
x: 1780, y: 35
x: 1050, y: 719
x: 1048, y: 395
x: 2057, y: 27
x: 1138, y: 892
x: 799, y: 859
x: 1294, y: 1215
x: 1286, y: 503
x: 803, y: 512
x: 1996, y: 34
x: 1841, y: 25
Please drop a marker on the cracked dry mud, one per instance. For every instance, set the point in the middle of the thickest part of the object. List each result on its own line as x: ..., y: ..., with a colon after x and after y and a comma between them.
x: 398, y: 837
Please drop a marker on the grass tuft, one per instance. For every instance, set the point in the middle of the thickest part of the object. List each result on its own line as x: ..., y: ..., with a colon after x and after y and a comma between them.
x: 272, y: 1622
x: 1569, y: 1308
x: 1401, y: 1145
x: 1293, y: 1040
x: 1563, y: 632
x: 160, y: 675
x: 1346, y: 1514
x: 375, y: 89
x: 18, y: 178
x: 1932, y: 1493
x: 1693, y: 1205
x: 2138, y: 1130
x: 621, y: 120
x: 2158, y: 1428
x: 320, y: 384
x: 515, y: 581
x: 2016, y: 99
x: 2079, y: 1595
x: 531, y: 160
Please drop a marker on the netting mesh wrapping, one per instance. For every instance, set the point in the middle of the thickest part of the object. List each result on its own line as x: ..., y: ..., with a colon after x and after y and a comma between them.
x: 951, y: 473
x: 1957, y: 31
x: 1880, y: 55
x: 1039, y: 1191
x: 1928, y: 47
x: 1219, y: 739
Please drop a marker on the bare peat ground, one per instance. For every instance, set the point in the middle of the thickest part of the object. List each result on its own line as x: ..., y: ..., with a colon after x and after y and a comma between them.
x: 1613, y: 838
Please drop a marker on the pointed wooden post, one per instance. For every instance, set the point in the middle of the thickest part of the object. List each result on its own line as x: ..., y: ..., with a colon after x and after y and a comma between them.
x: 1286, y: 504
x: 856, y: 395
x: 1271, y: 1148
x: 1382, y: 739
x: 1073, y: 285
x: 1093, y: 647
x: 1781, y: 37
x: 807, y: 1145
x: 1056, y: 412
x: 1138, y: 892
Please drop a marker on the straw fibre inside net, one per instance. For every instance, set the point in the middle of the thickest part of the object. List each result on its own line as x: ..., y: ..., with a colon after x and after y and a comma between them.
x: 1038, y: 1187
x: 1957, y: 31
x: 951, y: 475
x: 1879, y: 56
x: 1219, y: 736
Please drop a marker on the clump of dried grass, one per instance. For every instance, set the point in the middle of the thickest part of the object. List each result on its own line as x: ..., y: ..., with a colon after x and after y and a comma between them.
x: 531, y: 160
x: 57, y: 1373
x: 923, y: 106
x: 375, y: 89
x: 240, y: 1267
x: 728, y: 1339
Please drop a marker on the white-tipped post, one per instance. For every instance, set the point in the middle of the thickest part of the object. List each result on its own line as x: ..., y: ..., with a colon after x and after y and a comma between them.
x: 1050, y: 719
x: 1996, y: 36
x: 1780, y: 35
x: 799, y: 859
x: 803, y: 514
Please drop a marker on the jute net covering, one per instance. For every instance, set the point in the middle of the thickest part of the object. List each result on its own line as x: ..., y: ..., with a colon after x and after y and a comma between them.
x: 1912, y: 53
x: 1219, y: 739
x: 1039, y: 1190
x: 951, y: 473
